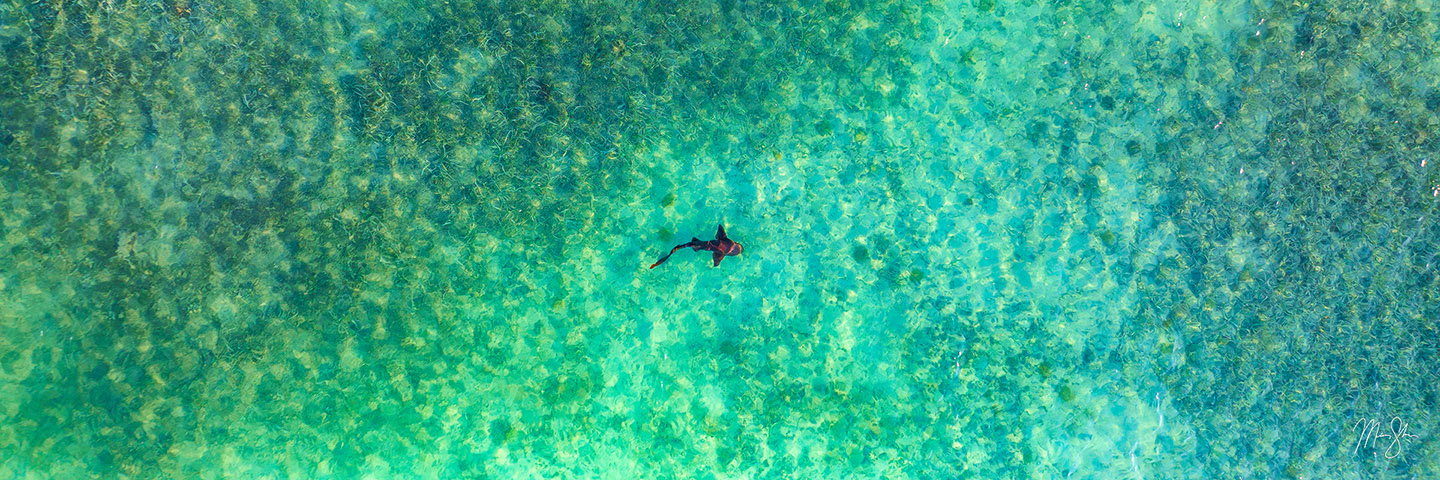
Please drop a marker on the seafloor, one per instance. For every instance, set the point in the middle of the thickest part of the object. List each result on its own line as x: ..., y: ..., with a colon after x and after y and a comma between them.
x: 983, y: 239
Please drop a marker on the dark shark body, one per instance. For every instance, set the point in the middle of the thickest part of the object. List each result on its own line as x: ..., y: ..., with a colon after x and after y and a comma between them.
x: 721, y: 247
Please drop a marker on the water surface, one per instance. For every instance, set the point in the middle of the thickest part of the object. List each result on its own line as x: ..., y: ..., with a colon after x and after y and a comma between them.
x: 983, y: 239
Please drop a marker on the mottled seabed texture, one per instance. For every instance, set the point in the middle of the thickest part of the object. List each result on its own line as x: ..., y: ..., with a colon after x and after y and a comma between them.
x: 984, y: 239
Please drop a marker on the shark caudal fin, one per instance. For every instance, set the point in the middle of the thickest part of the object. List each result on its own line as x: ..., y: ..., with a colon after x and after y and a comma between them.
x: 664, y: 258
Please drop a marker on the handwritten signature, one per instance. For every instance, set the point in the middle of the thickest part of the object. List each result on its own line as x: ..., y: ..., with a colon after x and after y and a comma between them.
x: 1371, y: 435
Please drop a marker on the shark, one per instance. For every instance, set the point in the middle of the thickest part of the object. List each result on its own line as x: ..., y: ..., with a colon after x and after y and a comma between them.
x: 722, y: 247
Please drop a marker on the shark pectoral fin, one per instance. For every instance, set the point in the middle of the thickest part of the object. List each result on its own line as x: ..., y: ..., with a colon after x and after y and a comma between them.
x: 720, y: 233
x: 718, y: 257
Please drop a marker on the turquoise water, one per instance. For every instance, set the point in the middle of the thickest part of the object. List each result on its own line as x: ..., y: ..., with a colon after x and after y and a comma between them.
x: 983, y: 239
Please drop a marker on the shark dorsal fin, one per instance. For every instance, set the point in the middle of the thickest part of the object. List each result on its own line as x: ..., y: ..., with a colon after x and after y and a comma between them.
x: 720, y: 234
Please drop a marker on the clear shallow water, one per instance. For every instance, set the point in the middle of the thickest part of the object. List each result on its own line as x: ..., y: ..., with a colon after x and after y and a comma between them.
x: 983, y: 240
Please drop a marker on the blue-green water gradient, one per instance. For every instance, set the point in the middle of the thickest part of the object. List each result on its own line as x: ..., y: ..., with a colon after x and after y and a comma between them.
x: 983, y: 239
